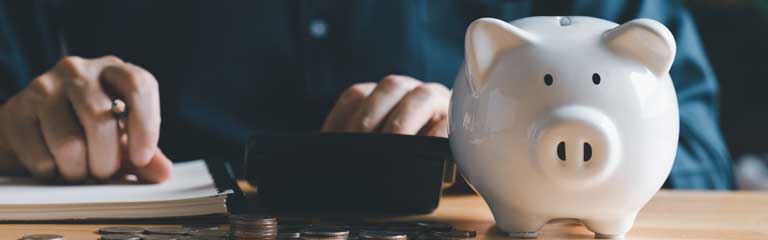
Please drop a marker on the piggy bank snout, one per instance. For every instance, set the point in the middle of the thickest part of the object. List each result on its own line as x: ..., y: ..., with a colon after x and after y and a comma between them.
x: 581, y: 143
x: 575, y: 145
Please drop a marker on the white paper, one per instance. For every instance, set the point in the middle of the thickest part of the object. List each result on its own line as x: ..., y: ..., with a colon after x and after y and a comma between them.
x: 189, y: 180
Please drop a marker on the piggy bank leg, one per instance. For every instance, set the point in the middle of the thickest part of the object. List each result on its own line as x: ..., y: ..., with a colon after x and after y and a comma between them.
x: 610, y: 227
x: 520, y: 225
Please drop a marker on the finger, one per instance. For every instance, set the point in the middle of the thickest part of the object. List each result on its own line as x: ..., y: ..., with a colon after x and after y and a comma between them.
x: 158, y: 170
x: 27, y: 141
x: 384, y: 97
x: 346, y: 105
x: 140, y: 91
x: 425, y: 104
x: 93, y: 109
x: 31, y: 149
x: 65, y: 140
x: 438, y: 129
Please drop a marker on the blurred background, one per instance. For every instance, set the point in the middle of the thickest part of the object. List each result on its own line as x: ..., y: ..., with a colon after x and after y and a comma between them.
x: 735, y: 34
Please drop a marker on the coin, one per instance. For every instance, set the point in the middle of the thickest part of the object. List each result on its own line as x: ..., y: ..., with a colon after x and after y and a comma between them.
x: 253, y: 226
x: 435, y: 226
x: 42, y: 237
x: 382, y: 235
x: 328, y: 231
x: 160, y: 237
x: 168, y: 230
x: 289, y: 232
x: 290, y: 235
x: 454, y: 234
x: 120, y: 237
x: 121, y: 230
x: 200, y: 226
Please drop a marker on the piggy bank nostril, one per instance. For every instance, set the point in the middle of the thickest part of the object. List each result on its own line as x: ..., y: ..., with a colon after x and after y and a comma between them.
x: 561, y: 151
x: 587, y: 151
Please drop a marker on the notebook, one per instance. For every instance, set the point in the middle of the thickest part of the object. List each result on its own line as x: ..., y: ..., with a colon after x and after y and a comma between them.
x: 190, y: 191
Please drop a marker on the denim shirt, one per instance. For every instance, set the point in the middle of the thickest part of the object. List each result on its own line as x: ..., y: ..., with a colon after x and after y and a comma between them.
x: 230, y: 69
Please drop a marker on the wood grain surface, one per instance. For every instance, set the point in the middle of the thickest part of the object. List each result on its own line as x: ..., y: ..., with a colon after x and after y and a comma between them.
x: 669, y: 215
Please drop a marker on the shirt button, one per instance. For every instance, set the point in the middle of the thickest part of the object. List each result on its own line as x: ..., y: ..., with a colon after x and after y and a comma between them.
x: 318, y: 28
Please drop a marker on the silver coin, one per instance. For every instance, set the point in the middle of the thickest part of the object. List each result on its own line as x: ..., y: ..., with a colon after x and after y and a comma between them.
x: 121, y: 230
x: 42, y: 237
x: 325, y: 232
x: 289, y: 232
x: 120, y: 237
x: 200, y: 226
x: 168, y: 230
x: 382, y: 235
x: 160, y: 237
x: 288, y: 235
x: 438, y: 226
x: 455, y: 234
x: 248, y: 226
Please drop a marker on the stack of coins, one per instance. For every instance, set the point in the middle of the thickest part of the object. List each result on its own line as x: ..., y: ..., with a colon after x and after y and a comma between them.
x: 199, y: 231
x: 325, y: 233
x: 253, y: 226
x: 266, y: 227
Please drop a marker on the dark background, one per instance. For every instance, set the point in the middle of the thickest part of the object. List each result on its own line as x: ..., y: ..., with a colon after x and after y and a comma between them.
x: 735, y: 33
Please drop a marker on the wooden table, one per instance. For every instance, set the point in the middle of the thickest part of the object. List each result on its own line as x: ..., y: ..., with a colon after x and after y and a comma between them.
x: 670, y: 215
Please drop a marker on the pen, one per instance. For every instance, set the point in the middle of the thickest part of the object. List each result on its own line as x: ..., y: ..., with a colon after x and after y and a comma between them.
x: 119, y: 109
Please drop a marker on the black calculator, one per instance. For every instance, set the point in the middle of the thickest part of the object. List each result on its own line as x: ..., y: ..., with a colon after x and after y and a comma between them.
x: 355, y: 173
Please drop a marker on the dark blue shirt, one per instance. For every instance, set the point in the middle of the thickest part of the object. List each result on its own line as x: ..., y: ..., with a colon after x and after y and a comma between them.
x: 229, y: 69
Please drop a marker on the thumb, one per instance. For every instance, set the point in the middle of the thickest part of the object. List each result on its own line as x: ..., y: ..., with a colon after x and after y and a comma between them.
x: 157, y: 170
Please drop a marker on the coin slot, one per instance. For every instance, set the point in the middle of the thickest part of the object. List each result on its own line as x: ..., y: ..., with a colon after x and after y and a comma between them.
x: 561, y: 151
x: 587, y: 152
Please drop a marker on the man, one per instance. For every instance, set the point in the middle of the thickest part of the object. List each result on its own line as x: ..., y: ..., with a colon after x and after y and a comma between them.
x: 224, y: 71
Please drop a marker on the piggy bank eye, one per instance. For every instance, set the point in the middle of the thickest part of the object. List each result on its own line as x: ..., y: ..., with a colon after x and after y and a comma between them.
x: 548, y: 79
x: 596, y: 78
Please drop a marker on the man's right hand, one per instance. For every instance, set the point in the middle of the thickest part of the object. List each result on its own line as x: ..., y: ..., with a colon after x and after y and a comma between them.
x: 62, y: 123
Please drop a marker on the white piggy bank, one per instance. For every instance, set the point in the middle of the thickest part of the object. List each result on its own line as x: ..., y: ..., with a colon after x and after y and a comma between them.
x: 565, y: 117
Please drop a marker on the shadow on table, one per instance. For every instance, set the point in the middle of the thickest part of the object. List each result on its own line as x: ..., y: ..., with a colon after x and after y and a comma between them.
x: 555, y: 229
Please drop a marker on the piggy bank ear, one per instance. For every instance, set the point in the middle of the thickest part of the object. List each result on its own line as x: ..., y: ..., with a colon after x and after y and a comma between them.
x: 646, y: 41
x: 486, y: 39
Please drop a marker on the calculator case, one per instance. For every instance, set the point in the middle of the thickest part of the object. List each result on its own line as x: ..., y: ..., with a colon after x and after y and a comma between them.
x: 353, y: 173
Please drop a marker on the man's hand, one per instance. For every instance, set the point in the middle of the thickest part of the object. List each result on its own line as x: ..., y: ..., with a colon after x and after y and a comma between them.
x: 397, y: 104
x: 62, y: 123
